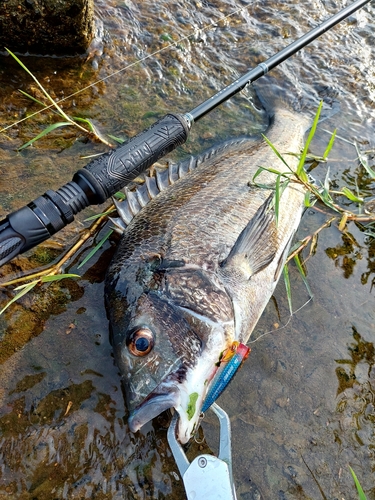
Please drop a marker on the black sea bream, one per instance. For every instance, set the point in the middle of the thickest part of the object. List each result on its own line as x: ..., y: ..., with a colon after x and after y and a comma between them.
x: 196, y: 267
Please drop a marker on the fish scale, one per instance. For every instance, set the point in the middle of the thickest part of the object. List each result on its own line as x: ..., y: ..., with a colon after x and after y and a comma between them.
x: 207, y: 251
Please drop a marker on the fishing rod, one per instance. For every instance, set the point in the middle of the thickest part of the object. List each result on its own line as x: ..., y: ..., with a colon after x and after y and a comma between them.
x: 104, y: 176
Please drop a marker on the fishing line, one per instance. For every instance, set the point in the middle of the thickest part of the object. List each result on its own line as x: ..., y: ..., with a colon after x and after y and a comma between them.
x: 138, y: 61
x: 104, y: 176
x: 281, y: 327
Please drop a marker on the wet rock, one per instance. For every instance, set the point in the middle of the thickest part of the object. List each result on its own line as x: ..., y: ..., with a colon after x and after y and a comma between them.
x: 48, y: 27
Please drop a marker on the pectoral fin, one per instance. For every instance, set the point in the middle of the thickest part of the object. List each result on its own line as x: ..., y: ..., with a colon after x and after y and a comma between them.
x: 256, y: 245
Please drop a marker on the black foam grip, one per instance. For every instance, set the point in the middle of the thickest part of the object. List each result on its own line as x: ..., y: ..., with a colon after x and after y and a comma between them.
x: 110, y: 172
x: 95, y: 183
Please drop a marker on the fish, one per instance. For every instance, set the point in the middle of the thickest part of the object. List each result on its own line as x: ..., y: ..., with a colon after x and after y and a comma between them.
x: 201, y: 251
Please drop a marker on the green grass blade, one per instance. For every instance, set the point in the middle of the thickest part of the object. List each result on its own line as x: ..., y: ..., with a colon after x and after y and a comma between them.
x: 307, y: 199
x: 351, y: 196
x: 325, y: 197
x: 97, y: 216
x: 284, y: 185
x: 297, y: 260
x: 62, y: 113
x: 295, y: 247
x: 58, y: 277
x: 303, y: 176
x: 309, y: 139
x: 90, y: 125
x: 277, y: 199
x: 87, y: 121
x: 272, y: 171
x: 46, y: 131
x: 116, y: 139
x: 95, y: 249
x: 33, y: 283
x: 92, y: 128
x: 258, y: 172
x: 329, y: 204
x: 120, y: 196
x: 32, y: 98
x: 264, y: 186
x: 330, y: 144
x: 310, y: 157
x: 23, y: 291
x: 363, y: 162
x: 338, y: 136
x: 324, y: 193
x: 276, y: 152
x: 88, y: 157
x: 361, y: 493
x: 287, y: 287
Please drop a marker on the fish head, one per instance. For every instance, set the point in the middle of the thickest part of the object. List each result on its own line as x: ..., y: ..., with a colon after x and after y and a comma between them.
x: 167, y: 355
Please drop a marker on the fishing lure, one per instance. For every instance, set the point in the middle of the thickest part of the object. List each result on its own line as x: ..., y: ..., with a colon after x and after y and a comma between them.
x: 231, y: 360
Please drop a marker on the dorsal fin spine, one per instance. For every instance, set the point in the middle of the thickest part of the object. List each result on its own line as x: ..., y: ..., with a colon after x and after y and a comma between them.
x: 142, y: 194
x: 162, y: 179
x: 152, y: 188
x: 133, y: 203
x: 137, y: 199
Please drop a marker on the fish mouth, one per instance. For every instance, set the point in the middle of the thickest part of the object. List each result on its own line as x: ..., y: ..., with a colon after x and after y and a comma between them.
x: 151, y: 407
x: 158, y: 402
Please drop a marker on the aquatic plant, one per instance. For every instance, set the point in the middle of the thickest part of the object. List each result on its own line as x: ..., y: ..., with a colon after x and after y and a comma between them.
x: 23, y: 289
x: 69, y: 121
x: 55, y: 272
x: 314, y: 192
x: 361, y: 494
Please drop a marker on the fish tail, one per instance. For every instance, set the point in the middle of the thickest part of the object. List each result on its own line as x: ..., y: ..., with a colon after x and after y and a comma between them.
x: 272, y: 94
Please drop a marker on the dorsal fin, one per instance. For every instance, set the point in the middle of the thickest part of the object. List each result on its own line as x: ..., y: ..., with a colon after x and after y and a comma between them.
x: 135, y: 200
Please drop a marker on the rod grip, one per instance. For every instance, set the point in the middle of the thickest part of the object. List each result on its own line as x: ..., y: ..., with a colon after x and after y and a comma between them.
x: 30, y: 225
x: 110, y: 172
x: 93, y: 184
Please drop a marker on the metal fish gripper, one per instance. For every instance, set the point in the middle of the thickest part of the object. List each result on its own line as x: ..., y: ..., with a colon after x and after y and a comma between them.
x: 207, y: 477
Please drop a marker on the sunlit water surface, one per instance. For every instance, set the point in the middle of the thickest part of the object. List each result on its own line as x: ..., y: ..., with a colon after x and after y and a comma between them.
x: 302, y: 408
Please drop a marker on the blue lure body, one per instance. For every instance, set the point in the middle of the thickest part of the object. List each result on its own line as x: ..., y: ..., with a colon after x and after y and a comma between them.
x: 225, y: 373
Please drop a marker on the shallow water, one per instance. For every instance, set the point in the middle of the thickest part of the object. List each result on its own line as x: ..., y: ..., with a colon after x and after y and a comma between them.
x: 302, y: 407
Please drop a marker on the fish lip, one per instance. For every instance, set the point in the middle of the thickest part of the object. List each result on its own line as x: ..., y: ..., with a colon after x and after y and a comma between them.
x: 153, y: 406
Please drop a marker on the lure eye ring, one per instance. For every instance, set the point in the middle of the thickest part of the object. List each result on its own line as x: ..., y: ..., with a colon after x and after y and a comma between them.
x: 140, y: 341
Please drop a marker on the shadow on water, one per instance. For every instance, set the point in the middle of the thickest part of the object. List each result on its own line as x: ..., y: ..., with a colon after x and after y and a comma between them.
x: 302, y: 407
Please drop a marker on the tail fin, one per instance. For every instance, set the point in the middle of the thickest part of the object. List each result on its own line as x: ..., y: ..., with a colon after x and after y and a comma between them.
x: 272, y: 95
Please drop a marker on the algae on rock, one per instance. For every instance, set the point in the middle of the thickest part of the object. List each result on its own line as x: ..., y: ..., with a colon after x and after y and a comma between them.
x: 48, y: 27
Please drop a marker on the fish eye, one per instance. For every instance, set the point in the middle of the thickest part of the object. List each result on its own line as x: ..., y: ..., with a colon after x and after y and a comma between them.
x: 140, y: 341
